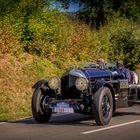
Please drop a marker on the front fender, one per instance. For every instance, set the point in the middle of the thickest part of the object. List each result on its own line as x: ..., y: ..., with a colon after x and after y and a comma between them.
x: 99, y: 84
x: 40, y: 83
x: 102, y: 83
x: 43, y: 85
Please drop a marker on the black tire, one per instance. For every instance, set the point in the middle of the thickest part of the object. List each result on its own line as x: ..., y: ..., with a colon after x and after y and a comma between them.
x: 39, y: 114
x: 103, y: 106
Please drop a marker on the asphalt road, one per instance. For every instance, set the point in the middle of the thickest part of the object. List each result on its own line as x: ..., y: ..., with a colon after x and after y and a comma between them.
x: 125, y: 125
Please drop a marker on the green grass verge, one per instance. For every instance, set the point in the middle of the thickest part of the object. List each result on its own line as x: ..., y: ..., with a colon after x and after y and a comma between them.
x: 17, y: 75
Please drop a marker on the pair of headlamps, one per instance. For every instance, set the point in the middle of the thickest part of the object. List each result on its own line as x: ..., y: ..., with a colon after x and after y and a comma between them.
x: 81, y: 83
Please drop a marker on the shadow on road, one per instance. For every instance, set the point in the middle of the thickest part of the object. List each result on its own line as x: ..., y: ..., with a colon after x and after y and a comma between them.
x: 73, y: 119
x: 67, y: 119
x: 126, y: 114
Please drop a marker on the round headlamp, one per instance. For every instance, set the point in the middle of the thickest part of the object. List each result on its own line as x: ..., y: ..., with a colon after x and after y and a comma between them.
x: 54, y: 83
x: 81, y: 83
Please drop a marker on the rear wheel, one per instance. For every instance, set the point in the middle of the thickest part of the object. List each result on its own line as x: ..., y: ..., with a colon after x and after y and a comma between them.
x: 103, y: 106
x: 41, y: 113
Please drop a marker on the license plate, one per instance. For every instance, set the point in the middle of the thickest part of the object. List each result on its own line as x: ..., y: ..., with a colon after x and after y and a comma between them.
x: 63, y: 110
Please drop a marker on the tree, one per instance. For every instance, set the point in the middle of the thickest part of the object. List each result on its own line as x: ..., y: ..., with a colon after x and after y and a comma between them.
x: 97, y: 12
x: 18, y: 14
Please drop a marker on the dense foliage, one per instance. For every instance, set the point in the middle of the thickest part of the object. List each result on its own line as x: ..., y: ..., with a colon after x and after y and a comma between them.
x: 37, y: 42
x: 102, y: 13
x: 97, y: 12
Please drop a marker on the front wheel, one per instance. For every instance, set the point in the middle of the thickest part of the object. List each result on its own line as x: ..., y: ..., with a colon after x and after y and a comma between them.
x: 103, y: 106
x: 40, y: 112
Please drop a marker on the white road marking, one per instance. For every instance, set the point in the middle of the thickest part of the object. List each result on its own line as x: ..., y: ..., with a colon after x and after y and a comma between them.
x: 24, y: 118
x: 2, y: 122
x: 20, y: 119
x: 110, y: 127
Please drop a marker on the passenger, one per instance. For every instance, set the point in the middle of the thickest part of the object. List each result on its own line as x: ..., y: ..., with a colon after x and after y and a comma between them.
x: 100, y: 63
x: 122, y: 70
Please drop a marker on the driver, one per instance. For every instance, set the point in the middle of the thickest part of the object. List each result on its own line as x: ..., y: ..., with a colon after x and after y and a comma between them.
x: 100, y: 63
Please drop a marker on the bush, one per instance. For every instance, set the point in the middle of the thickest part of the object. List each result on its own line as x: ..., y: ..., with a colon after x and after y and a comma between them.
x: 17, y: 76
x: 9, y: 43
x: 37, y: 46
x: 125, y: 42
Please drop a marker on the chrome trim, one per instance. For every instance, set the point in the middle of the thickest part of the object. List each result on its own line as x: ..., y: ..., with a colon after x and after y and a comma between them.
x: 77, y: 73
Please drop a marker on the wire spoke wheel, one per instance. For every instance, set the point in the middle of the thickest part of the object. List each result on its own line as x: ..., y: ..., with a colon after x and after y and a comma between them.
x: 40, y: 107
x: 103, y: 106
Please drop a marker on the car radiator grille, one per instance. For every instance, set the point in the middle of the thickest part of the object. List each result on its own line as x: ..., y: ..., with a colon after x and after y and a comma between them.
x: 68, y: 89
